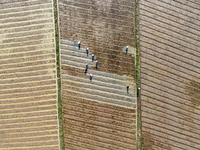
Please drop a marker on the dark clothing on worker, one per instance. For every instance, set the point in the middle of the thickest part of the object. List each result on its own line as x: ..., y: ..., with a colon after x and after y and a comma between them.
x: 97, y: 64
x: 126, y: 49
x: 90, y: 77
x: 85, y: 71
x: 86, y: 66
x: 127, y: 89
x: 92, y: 57
x: 79, y: 45
x: 87, y: 51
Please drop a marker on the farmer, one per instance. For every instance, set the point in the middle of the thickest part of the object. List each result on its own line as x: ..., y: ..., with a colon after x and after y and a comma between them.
x: 126, y: 49
x: 85, y: 71
x: 92, y: 57
x: 90, y: 77
x: 87, y: 51
x: 86, y: 66
x: 79, y: 45
x: 97, y: 64
x: 128, y: 89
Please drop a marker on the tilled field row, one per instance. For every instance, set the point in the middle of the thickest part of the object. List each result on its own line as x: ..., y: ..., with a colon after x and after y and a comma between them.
x: 175, y: 122
x: 28, y: 8
x: 17, y: 77
x: 180, y: 67
x: 98, y: 36
x: 170, y: 88
x: 181, y: 39
x: 25, y: 24
x: 99, y: 87
x: 124, y: 5
x: 31, y: 42
x: 99, y: 78
x: 170, y: 22
x: 170, y: 136
x: 31, y: 28
x: 18, y: 35
x: 98, y: 92
x: 22, y: 3
x: 166, y: 76
x: 30, y: 99
x: 25, y: 68
x: 173, y: 46
x: 80, y: 68
x: 14, y: 41
x: 105, y: 49
x: 120, y: 114
x: 76, y: 29
x: 170, y: 53
x: 85, y: 101
x: 183, y: 113
x: 175, y: 19
x: 99, y: 98
x: 173, y: 30
x: 28, y: 86
x: 104, y: 131
x: 28, y: 59
x: 108, y: 86
x: 169, y: 40
x: 119, y: 59
x: 169, y: 101
x: 95, y: 9
x: 174, y: 130
x: 98, y: 114
x: 30, y: 144
x: 22, y: 14
x: 105, y: 67
x: 31, y: 17
x: 23, y: 49
x: 112, y: 24
x: 187, y: 6
x: 28, y: 121
x: 163, y: 8
x: 97, y: 44
x: 183, y: 74
x: 28, y: 54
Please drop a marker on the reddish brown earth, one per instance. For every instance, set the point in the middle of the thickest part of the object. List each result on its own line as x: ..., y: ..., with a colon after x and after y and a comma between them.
x: 98, y: 114
x: 170, y: 74
x: 28, y: 91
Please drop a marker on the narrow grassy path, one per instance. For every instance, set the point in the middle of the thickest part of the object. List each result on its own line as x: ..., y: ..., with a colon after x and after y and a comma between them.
x: 58, y: 73
x: 139, y: 147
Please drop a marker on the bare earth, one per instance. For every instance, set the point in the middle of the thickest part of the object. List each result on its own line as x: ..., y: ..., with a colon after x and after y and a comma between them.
x: 170, y: 74
x: 28, y: 95
x: 98, y: 114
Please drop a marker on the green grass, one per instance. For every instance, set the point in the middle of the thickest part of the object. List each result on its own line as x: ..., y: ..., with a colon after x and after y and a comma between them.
x: 58, y: 75
x: 138, y: 72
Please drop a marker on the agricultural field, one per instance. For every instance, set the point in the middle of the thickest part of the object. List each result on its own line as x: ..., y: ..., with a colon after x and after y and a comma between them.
x: 28, y: 89
x: 170, y: 74
x: 98, y: 114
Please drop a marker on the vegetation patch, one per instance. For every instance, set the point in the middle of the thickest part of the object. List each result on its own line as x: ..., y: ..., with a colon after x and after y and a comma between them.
x: 193, y: 91
x: 58, y: 73
x: 138, y: 74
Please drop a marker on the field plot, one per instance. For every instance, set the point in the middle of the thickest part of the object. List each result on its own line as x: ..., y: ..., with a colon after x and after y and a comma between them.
x: 28, y: 97
x: 98, y: 114
x: 170, y: 74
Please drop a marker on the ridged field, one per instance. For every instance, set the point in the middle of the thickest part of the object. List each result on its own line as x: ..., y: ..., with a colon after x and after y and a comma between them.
x: 170, y: 74
x: 28, y: 90
x: 98, y: 114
